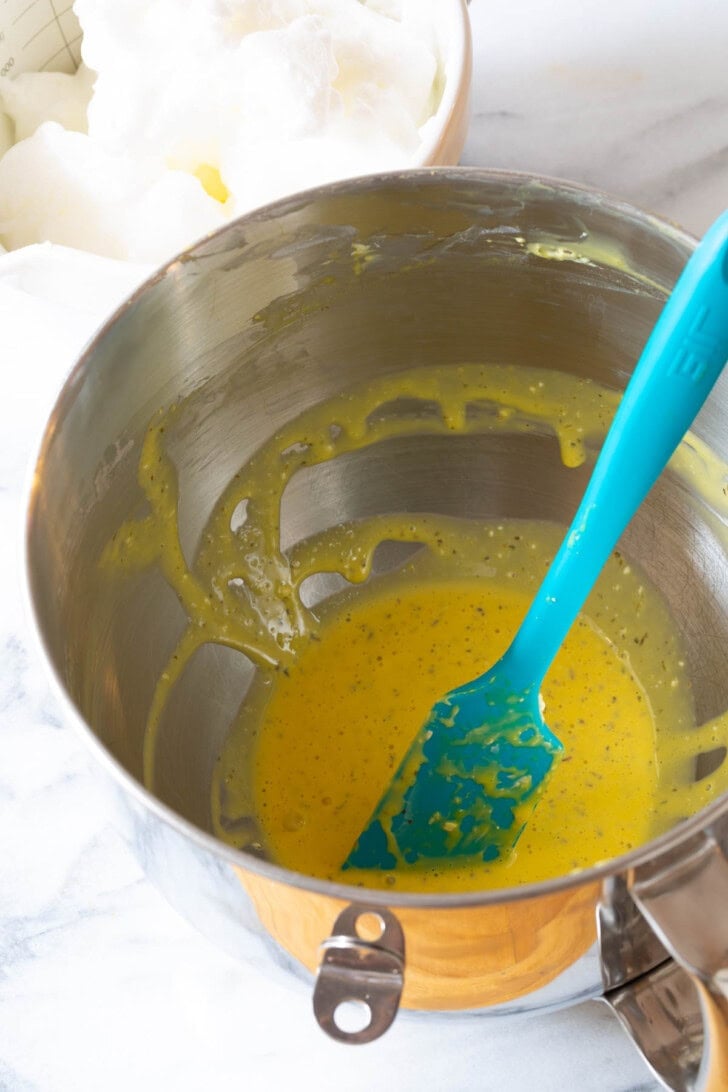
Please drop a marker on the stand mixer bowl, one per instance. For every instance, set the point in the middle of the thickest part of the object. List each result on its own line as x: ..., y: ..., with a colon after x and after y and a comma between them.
x: 273, y: 314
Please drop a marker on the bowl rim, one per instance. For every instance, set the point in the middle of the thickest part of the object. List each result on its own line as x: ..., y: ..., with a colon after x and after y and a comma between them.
x: 66, y: 392
x: 458, y: 69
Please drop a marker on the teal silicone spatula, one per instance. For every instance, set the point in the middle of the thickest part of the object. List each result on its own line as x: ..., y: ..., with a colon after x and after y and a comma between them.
x: 480, y: 763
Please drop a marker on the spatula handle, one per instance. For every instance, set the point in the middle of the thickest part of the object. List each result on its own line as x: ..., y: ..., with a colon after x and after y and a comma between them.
x: 679, y: 365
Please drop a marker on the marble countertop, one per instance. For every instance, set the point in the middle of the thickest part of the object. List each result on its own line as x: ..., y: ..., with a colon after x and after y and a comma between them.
x: 102, y: 985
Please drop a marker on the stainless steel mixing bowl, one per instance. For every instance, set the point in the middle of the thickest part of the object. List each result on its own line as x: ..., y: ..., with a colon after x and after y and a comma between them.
x: 265, y: 318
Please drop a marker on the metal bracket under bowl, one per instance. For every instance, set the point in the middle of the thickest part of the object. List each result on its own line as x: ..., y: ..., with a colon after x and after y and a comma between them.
x: 361, y: 974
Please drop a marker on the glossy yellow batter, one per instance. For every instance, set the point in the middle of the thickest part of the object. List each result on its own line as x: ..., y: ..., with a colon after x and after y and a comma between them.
x: 333, y: 729
x: 341, y: 690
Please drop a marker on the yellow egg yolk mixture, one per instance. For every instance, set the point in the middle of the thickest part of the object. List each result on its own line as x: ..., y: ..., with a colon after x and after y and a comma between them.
x: 342, y: 686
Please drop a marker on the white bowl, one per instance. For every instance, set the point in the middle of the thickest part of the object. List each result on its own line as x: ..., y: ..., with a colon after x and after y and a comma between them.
x: 446, y: 131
